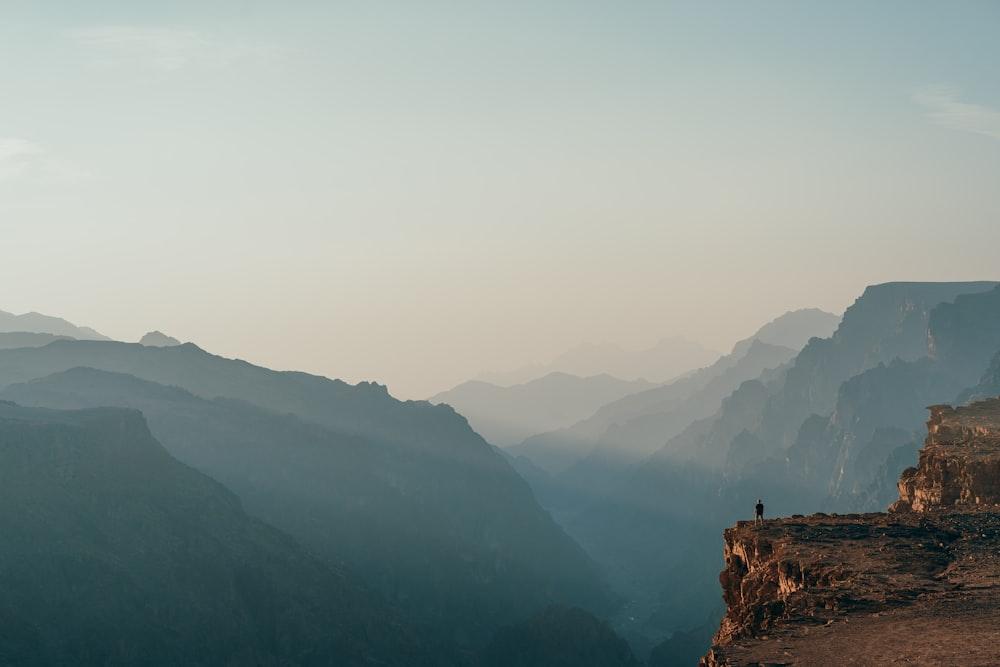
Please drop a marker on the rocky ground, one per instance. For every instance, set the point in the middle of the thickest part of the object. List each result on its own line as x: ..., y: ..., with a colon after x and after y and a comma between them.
x: 873, y: 589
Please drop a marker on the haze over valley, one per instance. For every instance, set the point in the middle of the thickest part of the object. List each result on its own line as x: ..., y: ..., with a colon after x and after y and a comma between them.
x: 524, y: 334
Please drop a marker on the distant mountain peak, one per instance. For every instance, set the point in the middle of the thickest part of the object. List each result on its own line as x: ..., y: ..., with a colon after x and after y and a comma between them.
x: 158, y: 339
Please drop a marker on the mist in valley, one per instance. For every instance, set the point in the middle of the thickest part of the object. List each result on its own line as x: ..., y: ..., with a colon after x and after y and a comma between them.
x: 449, y: 335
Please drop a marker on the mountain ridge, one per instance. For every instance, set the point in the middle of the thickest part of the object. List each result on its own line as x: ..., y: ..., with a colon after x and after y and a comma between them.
x: 99, y: 520
x: 432, y: 498
x: 38, y: 323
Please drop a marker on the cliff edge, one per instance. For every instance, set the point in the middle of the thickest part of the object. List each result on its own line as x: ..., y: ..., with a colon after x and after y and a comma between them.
x: 918, y: 585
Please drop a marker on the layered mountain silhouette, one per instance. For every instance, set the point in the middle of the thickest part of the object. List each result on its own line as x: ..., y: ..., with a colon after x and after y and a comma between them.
x: 401, y: 536
x: 405, y: 494
x: 116, y: 553
x: 508, y: 415
x: 631, y: 428
x: 668, y: 359
x: 38, y: 323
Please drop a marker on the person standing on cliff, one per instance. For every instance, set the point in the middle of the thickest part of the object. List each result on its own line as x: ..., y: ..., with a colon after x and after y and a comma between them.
x: 759, y: 518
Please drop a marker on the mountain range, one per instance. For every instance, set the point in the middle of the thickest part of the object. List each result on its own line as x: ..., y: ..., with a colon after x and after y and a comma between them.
x: 404, y: 494
x: 636, y: 425
x: 116, y: 553
x: 822, y: 432
x: 46, y: 324
x: 666, y: 360
x: 148, y: 493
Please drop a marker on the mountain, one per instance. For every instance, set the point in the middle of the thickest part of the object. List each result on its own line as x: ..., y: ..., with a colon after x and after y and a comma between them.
x: 637, y: 425
x: 989, y: 383
x: 507, y: 415
x: 559, y: 637
x: 819, y: 433
x: 158, y: 339
x: 115, y: 553
x: 27, y: 339
x: 881, y: 409
x: 880, y: 352
x: 406, y: 494
x: 915, y: 586
x: 668, y: 359
x: 38, y: 323
x: 886, y: 322
x: 796, y: 328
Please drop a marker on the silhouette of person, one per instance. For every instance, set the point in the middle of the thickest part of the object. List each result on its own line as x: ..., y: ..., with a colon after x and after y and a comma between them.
x: 759, y: 518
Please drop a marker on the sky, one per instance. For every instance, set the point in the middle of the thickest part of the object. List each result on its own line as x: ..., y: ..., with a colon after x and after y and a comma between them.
x: 414, y: 193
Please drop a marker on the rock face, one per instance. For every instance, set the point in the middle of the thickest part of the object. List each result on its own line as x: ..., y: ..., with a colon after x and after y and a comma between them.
x: 920, y: 584
x: 960, y: 462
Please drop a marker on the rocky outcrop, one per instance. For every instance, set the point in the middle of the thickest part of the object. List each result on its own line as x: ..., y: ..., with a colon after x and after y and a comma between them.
x: 920, y: 584
x: 960, y: 462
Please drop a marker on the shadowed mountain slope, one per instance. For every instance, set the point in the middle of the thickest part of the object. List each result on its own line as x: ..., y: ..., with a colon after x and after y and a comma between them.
x: 115, y: 553
x: 443, y: 528
x: 559, y: 637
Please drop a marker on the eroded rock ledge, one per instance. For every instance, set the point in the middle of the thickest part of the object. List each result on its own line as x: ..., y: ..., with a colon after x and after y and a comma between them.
x: 959, y: 463
x: 919, y: 585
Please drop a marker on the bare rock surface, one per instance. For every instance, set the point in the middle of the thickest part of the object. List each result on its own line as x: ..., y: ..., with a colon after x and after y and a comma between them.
x: 960, y: 462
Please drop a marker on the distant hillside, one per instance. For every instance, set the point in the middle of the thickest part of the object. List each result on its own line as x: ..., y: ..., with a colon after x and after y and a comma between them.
x: 115, y: 553
x: 38, y: 323
x: 14, y: 339
x: 636, y: 425
x: 508, y: 415
x: 405, y: 492
x: 668, y: 359
x: 795, y: 328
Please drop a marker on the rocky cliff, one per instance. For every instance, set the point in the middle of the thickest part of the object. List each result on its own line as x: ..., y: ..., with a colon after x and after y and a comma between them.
x: 960, y: 462
x: 917, y: 585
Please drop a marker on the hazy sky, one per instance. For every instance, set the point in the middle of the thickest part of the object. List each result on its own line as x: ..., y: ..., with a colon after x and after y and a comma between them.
x: 416, y: 191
